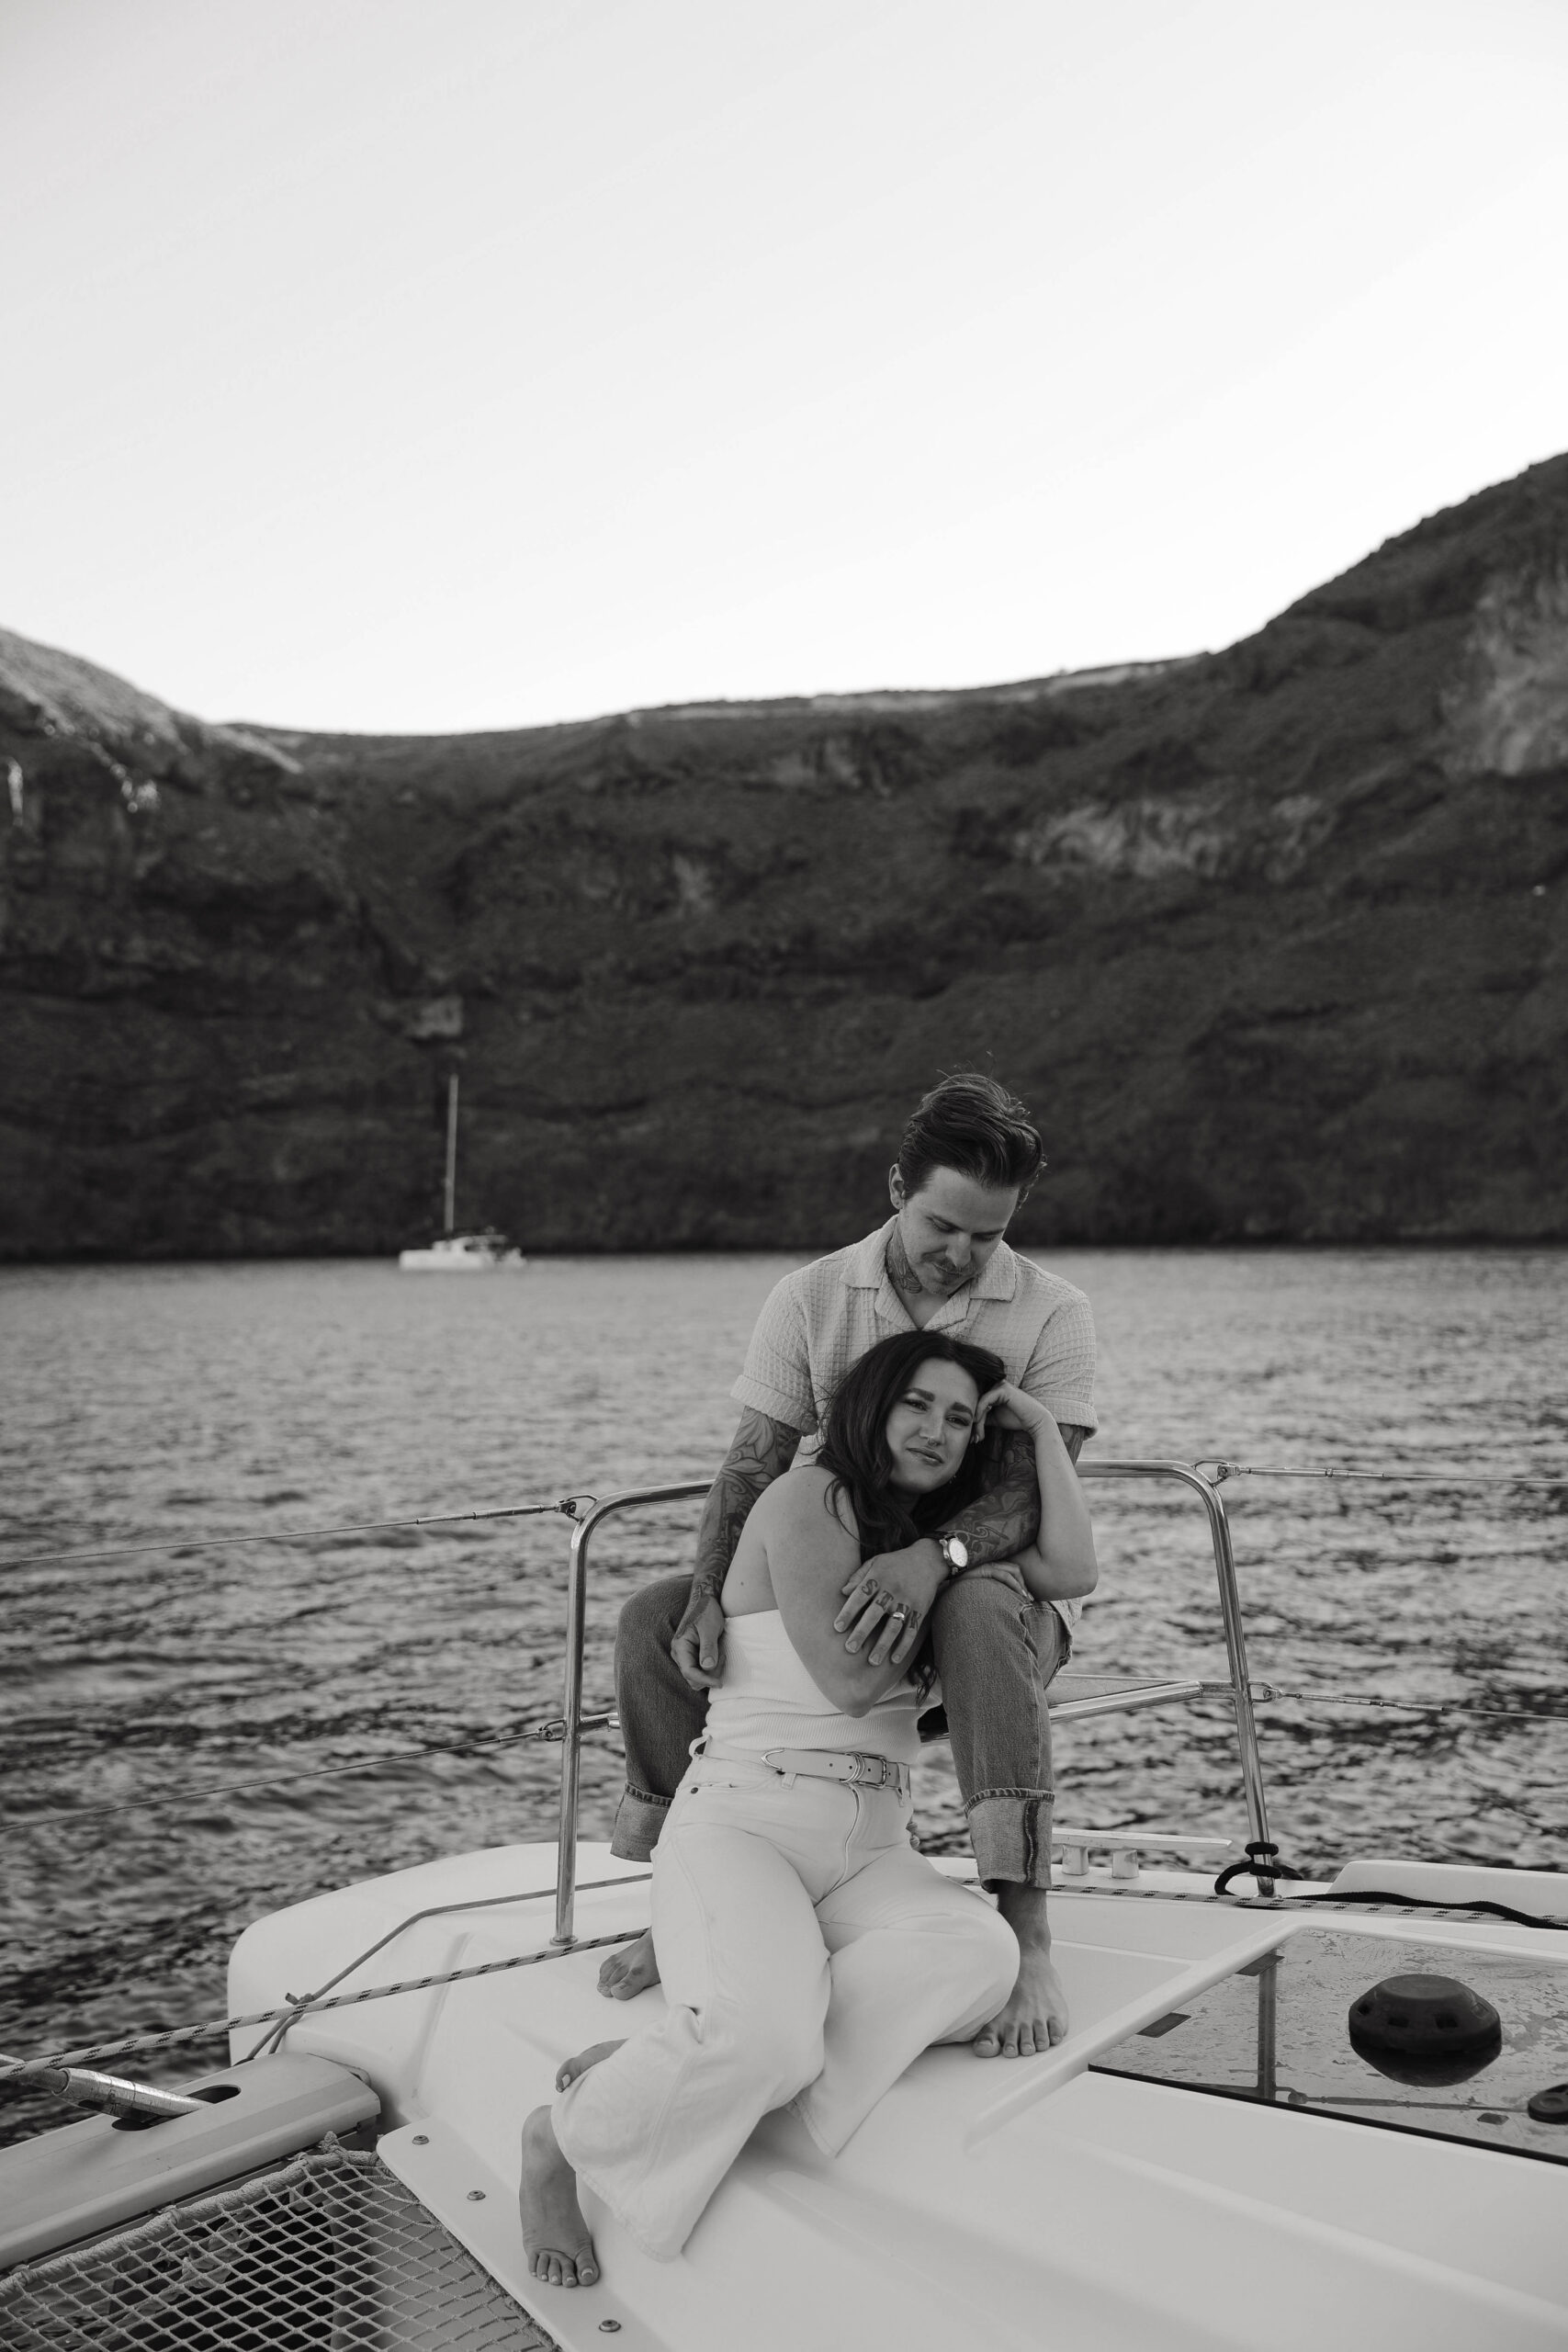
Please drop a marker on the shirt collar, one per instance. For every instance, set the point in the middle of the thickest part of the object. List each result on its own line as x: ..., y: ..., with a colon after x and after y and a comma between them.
x: 865, y: 1266
x: 999, y: 1278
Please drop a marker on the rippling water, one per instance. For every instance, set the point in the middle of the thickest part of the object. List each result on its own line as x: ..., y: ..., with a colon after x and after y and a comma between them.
x: 137, y: 1402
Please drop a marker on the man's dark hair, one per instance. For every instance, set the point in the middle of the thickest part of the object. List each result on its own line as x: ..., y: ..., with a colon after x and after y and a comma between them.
x: 971, y: 1124
x: 854, y: 1439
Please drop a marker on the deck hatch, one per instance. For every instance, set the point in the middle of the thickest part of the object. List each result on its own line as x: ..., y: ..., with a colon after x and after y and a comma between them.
x: 1277, y: 2032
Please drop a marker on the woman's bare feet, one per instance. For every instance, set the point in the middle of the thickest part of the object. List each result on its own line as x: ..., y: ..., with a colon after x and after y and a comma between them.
x: 1034, y: 2014
x: 626, y: 1973
x: 555, y: 2235
x: 572, y: 2067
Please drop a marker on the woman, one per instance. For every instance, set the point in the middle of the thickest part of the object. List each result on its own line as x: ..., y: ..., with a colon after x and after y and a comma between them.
x: 808, y: 1952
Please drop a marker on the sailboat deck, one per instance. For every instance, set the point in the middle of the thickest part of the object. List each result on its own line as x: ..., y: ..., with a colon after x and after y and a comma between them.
x: 983, y: 2203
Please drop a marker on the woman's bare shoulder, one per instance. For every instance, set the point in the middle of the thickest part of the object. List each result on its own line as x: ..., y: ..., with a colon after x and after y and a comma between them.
x: 803, y: 1498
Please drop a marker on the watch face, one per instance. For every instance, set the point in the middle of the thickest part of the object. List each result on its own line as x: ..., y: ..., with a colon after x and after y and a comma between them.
x: 957, y: 1551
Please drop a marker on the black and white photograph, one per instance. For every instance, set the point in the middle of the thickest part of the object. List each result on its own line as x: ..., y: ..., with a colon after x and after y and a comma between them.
x: 783, y: 1176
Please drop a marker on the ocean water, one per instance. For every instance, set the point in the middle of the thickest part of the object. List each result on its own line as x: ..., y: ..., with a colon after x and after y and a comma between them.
x: 150, y: 1403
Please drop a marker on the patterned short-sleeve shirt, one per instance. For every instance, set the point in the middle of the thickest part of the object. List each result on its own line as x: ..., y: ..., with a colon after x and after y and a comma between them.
x: 822, y: 1319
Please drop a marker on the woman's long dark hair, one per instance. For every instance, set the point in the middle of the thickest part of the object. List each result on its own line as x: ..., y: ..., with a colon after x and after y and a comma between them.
x: 854, y: 1439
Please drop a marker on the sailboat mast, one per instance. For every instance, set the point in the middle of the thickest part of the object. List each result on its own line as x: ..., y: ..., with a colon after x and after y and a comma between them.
x: 452, y: 1151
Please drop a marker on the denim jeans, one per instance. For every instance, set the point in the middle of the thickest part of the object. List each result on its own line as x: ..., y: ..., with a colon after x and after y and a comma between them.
x: 995, y: 1649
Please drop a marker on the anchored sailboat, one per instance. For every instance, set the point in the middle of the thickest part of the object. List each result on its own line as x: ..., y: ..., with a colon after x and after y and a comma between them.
x: 460, y: 1253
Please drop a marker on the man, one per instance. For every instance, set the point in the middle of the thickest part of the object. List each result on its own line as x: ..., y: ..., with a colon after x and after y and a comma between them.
x: 966, y: 1159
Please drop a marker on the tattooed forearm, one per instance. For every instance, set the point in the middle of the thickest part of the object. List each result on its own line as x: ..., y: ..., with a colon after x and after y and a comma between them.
x: 1006, y: 1515
x: 761, y: 1451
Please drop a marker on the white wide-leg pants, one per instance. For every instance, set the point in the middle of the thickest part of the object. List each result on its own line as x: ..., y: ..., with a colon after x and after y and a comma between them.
x: 808, y: 1954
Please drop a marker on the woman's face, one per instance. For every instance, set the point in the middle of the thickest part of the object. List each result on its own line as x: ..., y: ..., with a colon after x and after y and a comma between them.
x: 929, y: 1426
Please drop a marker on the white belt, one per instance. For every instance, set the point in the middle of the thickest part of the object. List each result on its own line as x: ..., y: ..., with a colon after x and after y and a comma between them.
x: 823, y: 1764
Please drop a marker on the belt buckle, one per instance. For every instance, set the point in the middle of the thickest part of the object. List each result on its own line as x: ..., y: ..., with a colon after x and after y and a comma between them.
x: 860, y: 1773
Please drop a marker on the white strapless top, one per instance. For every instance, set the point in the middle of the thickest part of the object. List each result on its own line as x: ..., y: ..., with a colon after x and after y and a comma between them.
x: 768, y: 1699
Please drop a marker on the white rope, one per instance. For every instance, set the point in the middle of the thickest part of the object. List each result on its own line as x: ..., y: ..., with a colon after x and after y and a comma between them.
x: 215, y: 2028
x: 14, y: 2070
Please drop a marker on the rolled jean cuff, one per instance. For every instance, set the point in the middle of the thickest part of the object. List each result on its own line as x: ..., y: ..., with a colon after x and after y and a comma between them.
x: 1010, y: 1832
x: 639, y: 1820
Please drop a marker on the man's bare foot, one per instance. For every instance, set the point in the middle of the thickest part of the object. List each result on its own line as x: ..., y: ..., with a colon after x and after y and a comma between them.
x: 626, y: 1973
x: 571, y: 2067
x: 555, y: 2235
x: 1034, y: 2014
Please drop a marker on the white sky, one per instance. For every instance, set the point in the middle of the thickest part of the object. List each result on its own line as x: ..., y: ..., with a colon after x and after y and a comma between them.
x: 444, y: 364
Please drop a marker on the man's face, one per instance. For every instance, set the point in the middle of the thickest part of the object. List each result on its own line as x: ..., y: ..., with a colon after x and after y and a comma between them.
x: 951, y: 1227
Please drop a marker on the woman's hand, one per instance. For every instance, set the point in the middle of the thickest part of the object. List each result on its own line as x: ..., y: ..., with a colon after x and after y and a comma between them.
x: 1012, y: 1407
x: 893, y: 1592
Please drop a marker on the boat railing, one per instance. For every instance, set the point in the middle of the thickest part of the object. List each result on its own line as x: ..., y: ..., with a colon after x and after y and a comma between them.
x: 688, y: 1490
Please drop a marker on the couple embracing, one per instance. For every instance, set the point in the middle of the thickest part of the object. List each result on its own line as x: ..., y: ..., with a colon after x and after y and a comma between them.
x: 772, y: 1704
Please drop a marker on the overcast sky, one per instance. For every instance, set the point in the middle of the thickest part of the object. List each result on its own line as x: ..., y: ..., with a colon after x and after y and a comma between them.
x: 445, y: 364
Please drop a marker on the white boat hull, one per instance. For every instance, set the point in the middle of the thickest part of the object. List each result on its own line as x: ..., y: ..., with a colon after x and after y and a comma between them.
x: 463, y: 1254
x: 424, y: 1261
x: 989, y: 2204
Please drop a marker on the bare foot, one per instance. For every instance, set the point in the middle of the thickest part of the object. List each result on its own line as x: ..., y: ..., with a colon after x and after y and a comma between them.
x: 555, y: 2235
x: 572, y: 2067
x: 1034, y: 2014
x: 630, y: 1970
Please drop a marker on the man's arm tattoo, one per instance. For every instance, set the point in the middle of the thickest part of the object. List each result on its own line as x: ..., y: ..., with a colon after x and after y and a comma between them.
x: 761, y: 1451
x: 1005, y: 1516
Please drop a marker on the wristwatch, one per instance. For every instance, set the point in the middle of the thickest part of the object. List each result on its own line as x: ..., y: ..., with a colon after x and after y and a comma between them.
x: 954, y: 1551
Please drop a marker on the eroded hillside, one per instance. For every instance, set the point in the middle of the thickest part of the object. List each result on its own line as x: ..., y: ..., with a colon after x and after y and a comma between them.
x: 1273, y: 940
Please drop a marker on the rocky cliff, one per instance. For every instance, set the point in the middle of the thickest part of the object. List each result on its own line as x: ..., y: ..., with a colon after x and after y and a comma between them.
x: 1275, y: 941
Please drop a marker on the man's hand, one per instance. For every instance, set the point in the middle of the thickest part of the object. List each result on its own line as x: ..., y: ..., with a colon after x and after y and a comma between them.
x: 697, y: 1647
x: 893, y: 1593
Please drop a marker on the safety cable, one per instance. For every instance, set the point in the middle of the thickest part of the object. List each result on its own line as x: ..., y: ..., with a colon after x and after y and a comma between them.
x: 567, y: 1506
x: 1224, y: 1469
x: 1266, y: 1693
x: 552, y: 1728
